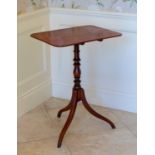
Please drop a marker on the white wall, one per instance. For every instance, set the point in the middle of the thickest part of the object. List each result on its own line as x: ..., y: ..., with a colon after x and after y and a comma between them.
x: 34, y: 82
x: 108, y: 67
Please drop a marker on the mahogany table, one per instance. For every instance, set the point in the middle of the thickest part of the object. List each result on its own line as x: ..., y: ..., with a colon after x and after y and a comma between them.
x: 76, y: 36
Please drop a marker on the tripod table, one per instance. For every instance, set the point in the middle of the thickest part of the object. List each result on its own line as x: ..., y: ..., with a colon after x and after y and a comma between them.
x: 76, y: 36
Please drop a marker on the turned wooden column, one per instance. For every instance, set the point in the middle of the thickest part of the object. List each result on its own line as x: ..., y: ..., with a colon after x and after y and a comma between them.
x: 77, y: 71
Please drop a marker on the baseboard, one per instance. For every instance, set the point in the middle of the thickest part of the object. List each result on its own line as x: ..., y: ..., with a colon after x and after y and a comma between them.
x: 34, y: 97
x: 107, y: 98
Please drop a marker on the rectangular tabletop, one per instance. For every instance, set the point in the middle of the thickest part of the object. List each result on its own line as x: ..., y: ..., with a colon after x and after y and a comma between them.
x: 75, y: 35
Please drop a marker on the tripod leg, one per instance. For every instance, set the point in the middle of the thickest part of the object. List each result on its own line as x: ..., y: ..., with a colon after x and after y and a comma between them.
x: 68, y: 122
x: 67, y: 107
x: 87, y: 106
x: 63, y: 110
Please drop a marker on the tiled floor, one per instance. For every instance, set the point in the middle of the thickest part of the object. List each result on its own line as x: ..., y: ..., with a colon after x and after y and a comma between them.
x: 38, y: 132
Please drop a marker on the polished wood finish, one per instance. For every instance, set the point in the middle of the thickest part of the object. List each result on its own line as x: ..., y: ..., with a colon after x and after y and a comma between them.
x: 76, y: 36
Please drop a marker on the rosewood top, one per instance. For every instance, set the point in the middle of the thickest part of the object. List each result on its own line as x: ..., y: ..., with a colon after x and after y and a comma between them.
x: 75, y: 35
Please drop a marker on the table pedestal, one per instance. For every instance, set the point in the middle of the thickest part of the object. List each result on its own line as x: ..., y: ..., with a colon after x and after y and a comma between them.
x: 78, y: 95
